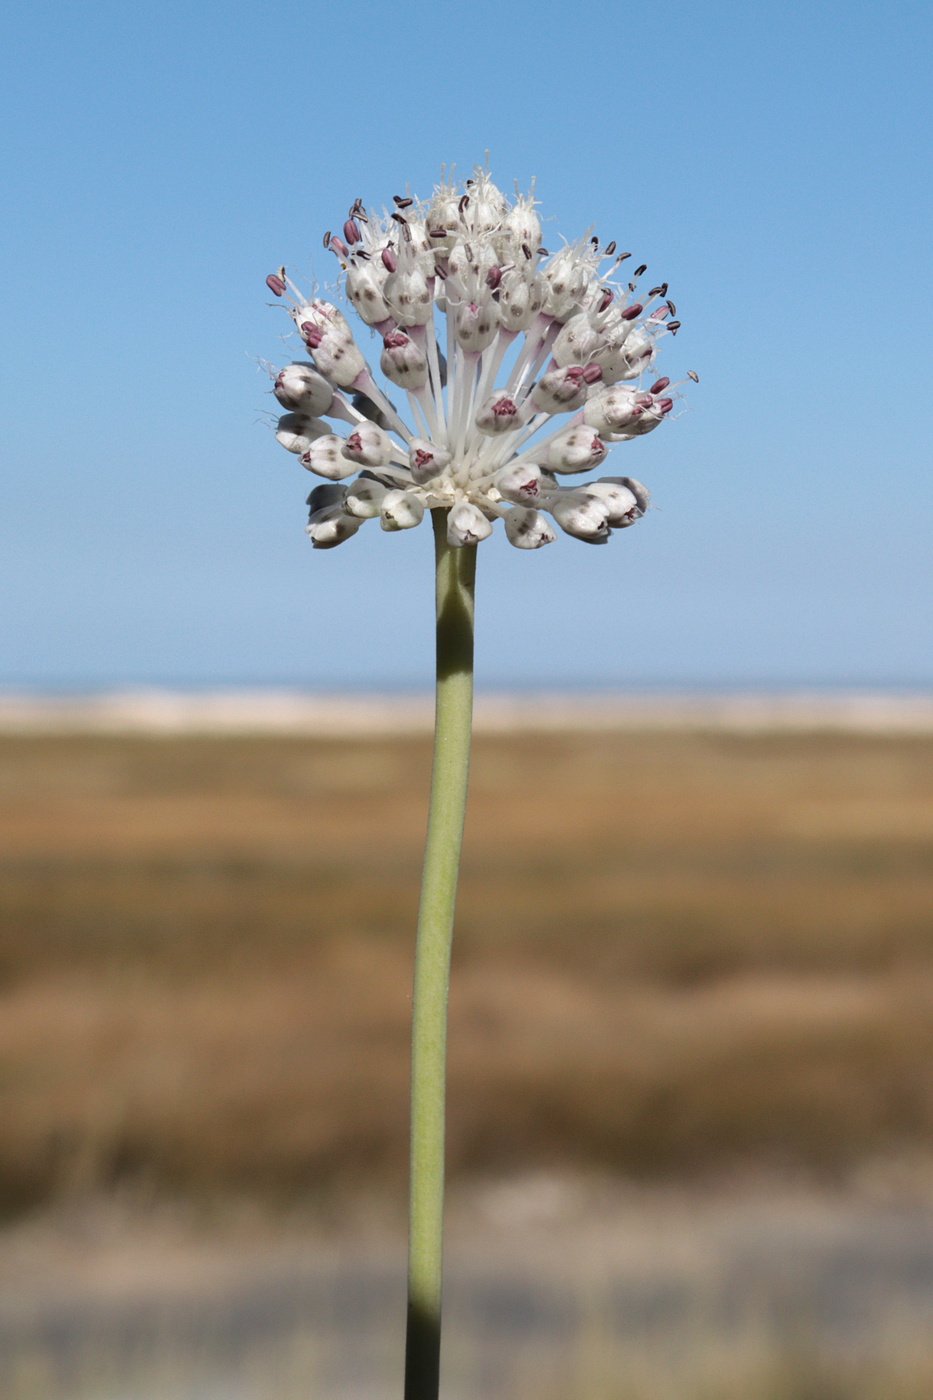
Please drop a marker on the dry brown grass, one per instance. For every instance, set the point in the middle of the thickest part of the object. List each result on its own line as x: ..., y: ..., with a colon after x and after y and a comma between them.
x: 675, y: 953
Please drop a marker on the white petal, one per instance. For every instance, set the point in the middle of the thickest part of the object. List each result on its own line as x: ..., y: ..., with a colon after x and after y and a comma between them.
x: 325, y: 458
x: 331, y: 526
x: 365, y: 498
x: 466, y: 524
x: 524, y: 483
x: 582, y: 516
x: 400, y: 510
x: 527, y: 529
x: 300, y: 388
x: 619, y: 501
x: 296, y: 431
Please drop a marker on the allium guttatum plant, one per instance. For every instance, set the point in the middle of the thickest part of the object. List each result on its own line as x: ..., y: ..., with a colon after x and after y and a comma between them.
x: 521, y: 368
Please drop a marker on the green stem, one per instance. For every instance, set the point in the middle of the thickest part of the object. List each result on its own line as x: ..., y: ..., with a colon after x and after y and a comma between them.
x: 455, y: 575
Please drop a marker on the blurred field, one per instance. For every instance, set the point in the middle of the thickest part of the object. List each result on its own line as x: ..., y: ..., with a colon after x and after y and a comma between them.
x: 677, y: 954
x: 555, y: 1290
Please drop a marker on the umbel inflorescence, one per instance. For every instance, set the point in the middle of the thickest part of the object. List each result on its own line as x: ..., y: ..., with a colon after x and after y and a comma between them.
x: 531, y: 337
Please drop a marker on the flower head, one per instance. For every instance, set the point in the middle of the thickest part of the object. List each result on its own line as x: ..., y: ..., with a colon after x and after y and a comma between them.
x: 519, y: 366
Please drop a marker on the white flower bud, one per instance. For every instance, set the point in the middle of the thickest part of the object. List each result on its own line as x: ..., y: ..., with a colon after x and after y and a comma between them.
x: 324, y: 496
x: 626, y: 360
x: 484, y: 215
x: 577, y: 342
x: 365, y: 281
x: 369, y: 446
x: 400, y: 510
x: 521, y: 225
x: 325, y: 458
x: 409, y: 297
x: 487, y: 205
x: 333, y: 317
x: 500, y: 414
x: 615, y: 409
x: 365, y: 497
x: 296, y: 431
x: 418, y: 249
x: 639, y: 491
x: 524, y: 483
x: 466, y: 524
x: 316, y: 319
x: 475, y: 326
x: 527, y: 529
x: 619, y: 501
x: 581, y: 515
x: 338, y: 359
x: 330, y: 527
x: 300, y: 388
x: 576, y: 449
x: 321, y: 325
x: 560, y: 390
x: 568, y: 280
x: 426, y: 460
x: 442, y: 220
x: 403, y: 361
x: 520, y: 299
x: 470, y: 262
x: 652, y: 416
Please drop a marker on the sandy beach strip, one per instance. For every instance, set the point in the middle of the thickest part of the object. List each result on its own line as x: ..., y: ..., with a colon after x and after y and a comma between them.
x: 319, y: 714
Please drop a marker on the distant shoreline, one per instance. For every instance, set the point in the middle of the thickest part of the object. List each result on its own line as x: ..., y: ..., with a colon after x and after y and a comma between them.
x: 156, y: 711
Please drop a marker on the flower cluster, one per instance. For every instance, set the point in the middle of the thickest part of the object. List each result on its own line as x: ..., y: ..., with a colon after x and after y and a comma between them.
x: 562, y: 331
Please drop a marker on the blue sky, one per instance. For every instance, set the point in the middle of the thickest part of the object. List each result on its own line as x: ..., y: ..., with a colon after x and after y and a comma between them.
x: 771, y: 163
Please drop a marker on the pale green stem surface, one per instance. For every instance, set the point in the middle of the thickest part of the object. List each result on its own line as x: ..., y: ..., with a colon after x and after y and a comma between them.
x: 455, y: 575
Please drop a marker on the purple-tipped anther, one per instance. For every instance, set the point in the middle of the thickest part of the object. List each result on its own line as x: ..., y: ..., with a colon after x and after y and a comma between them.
x: 665, y: 405
x: 659, y: 385
x: 388, y: 260
x: 275, y: 284
x: 632, y: 311
x: 351, y: 231
x: 493, y: 277
x: 311, y: 334
x: 605, y: 300
x: 338, y: 246
x: 592, y: 374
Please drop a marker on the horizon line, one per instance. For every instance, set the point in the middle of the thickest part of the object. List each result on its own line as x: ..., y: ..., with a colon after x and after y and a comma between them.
x: 161, y: 710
